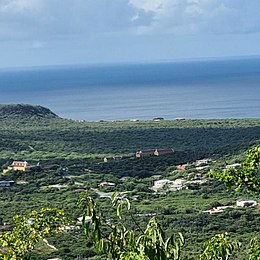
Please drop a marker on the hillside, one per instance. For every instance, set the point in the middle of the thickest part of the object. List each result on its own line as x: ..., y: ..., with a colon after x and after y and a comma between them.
x: 36, y: 133
x: 25, y: 111
x: 70, y: 154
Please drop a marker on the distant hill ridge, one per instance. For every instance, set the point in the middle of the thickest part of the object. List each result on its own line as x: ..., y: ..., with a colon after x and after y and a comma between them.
x: 24, y: 110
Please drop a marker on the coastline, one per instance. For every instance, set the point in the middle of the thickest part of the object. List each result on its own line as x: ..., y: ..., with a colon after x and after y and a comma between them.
x: 206, y: 89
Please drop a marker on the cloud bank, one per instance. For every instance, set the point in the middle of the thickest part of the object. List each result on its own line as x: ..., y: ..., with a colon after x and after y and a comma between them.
x: 201, y: 16
x: 58, y: 18
x: 39, y: 20
x: 84, y: 31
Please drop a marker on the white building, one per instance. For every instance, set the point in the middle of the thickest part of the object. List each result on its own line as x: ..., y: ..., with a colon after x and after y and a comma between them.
x: 160, y: 183
x: 6, y: 183
x: 202, y: 161
x: 171, y: 185
x: 246, y: 203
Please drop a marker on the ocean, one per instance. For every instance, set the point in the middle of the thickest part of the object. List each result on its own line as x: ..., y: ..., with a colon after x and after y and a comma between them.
x: 190, y: 89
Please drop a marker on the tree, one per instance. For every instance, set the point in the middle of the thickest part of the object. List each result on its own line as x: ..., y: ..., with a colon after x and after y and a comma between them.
x: 28, y: 230
x: 248, y: 176
x: 122, y: 243
x: 219, y: 247
x: 254, y: 250
x: 119, y: 242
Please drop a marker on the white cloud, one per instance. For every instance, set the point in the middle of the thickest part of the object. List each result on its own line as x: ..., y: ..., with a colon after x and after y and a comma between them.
x: 58, y: 18
x: 47, y: 20
x: 14, y: 6
x: 152, y: 5
x: 55, y: 18
x: 196, y: 16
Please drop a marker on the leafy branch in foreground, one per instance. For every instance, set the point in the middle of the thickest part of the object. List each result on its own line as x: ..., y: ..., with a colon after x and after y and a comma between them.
x: 248, y: 176
x: 254, y: 250
x: 219, y: 247
x: 29, y: 230
x: 123, y: 243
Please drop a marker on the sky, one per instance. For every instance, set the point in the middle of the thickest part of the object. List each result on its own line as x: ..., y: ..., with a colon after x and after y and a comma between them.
x: 57, y: 32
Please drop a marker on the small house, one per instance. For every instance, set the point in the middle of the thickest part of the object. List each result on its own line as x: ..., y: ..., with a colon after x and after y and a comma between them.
x: 217, y: 209
x: 246, y: 203
x: 107, y: 184
x: 19, y: 166
x: 158, y: 119
x: 181, y: 167
x: 178, y: 118
x: 161, y: 183
x: 6, y: 183
x: 202, y: 162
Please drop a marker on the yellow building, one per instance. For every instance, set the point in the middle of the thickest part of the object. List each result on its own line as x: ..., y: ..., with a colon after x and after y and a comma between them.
x: 18, y: 166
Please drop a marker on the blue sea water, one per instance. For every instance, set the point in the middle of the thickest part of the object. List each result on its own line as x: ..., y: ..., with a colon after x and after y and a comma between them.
x: 194, y: 89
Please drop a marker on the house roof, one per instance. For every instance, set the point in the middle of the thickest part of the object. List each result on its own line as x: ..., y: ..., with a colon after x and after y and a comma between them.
x: 146, y: 151
x: 181, y: 167
x: 19, y: 164
x: 105, y: 183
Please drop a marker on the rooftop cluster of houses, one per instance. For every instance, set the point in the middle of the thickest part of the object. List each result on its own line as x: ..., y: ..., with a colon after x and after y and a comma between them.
x: 168, y: 185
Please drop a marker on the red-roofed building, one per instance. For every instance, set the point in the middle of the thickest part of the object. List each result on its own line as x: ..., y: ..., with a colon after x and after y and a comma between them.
x: 19, y: 166
x: 144, y: 153
x: 181, y: 167
x: 158, y: 152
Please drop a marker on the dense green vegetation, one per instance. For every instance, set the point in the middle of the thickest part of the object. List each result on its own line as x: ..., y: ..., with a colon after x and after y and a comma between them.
x: 22, y: 110
x: 29, y: 230
x: 71, y: 156
x: 39, y: 137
